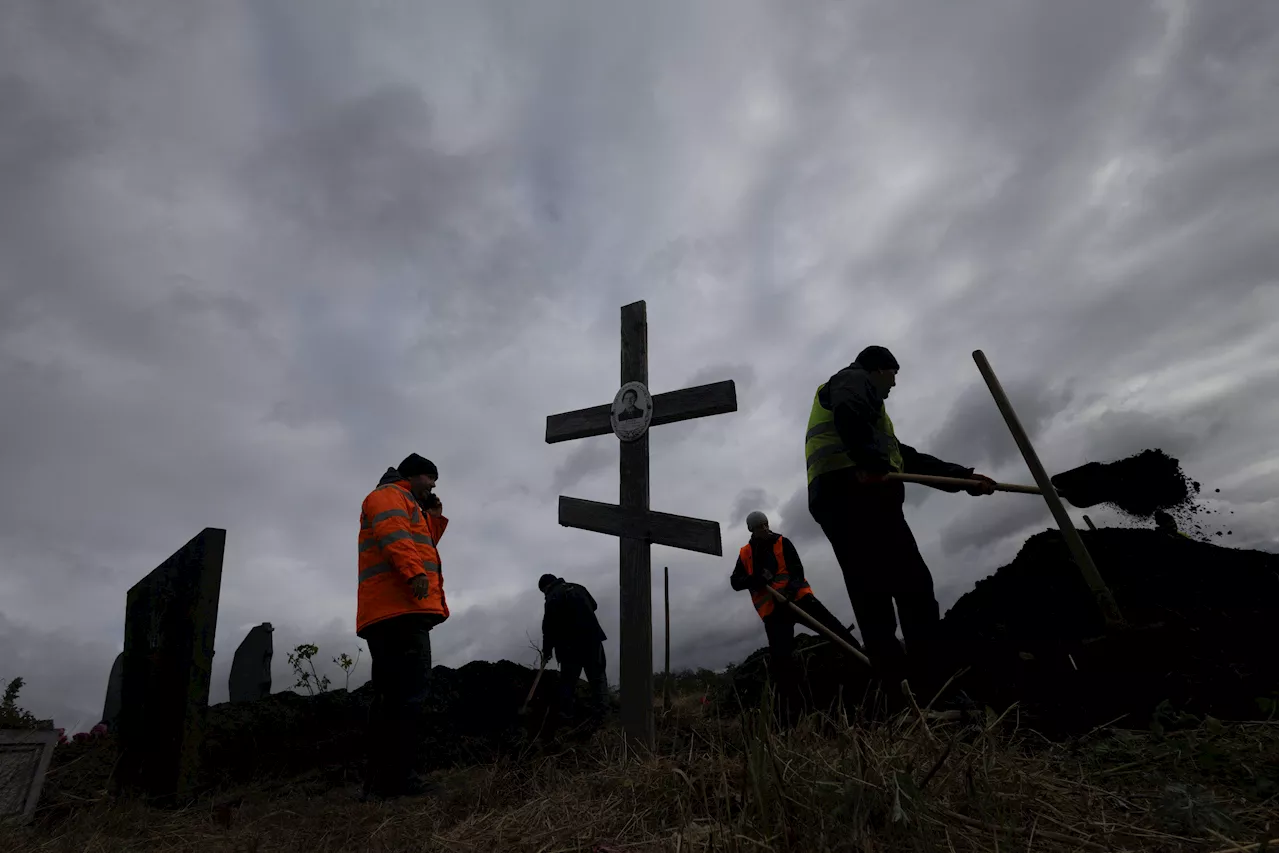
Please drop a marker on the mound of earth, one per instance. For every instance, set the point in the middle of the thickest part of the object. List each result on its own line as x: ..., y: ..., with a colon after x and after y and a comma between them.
x: 1202, y: 619
x: 1203, y: 640
x: 472, y: 716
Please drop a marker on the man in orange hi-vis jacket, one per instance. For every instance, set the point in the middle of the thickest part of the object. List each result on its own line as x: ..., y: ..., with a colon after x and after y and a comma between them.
x: 771, y: 560
x: 400, y: 599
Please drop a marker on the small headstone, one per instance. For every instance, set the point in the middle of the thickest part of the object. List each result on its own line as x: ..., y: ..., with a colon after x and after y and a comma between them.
x: 24, y: 760
x: 251, y: 667
x: 111, y: 707
x: 170, y: 618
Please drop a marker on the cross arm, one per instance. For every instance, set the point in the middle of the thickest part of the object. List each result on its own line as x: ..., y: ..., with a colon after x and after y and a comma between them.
x: 658, y: 528
x: 670, y: 407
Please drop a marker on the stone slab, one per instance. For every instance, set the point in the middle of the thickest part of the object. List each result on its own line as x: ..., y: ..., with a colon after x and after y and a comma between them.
x: 170, y: 618
x: 24, y: 760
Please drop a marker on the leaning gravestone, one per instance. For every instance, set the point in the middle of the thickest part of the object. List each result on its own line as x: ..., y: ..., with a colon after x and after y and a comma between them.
x: 170, y: 617
x: 251, y: 667
x: 24, y: 760
x: 111, y: 707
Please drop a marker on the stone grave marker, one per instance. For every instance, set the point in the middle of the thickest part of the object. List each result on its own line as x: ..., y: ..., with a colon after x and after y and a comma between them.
x: 170, y: 617
x: 251, y: 667
x: 24, y: 760
x: 111, y: 706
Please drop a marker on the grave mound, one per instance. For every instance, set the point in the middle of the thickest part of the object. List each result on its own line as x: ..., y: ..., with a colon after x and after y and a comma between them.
x: 472, y: 717
x: 1203, y: 623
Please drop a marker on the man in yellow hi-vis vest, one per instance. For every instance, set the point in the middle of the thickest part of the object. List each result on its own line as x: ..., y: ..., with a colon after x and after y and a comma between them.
x: 849, y: 446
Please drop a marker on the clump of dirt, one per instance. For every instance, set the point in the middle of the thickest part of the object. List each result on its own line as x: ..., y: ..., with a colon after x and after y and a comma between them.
x: 1138, y: 485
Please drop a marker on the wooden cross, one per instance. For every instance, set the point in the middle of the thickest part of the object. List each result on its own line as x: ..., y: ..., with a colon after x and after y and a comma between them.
x: 631, y: 519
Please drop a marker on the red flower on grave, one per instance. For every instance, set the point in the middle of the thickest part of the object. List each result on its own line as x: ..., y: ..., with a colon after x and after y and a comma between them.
x: 62, y: 737
x: 98, y: 731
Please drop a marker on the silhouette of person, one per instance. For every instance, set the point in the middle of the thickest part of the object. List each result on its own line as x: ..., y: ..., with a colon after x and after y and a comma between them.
x: 629, y: 410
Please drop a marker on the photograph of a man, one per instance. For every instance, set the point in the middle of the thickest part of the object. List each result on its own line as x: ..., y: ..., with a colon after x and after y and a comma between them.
x: 629, y: 409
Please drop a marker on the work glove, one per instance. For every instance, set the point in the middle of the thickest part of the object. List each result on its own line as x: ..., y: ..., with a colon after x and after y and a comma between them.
x: 421, y: 586
x: 987, y: 487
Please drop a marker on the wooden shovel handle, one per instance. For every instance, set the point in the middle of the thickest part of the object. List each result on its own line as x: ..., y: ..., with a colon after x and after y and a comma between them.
x: 819, y: 627
x: 536, y: 679
x: 930, y: 480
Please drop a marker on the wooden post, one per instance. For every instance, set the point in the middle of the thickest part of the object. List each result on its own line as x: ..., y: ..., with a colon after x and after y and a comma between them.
x: 635, y: 635
x: 1106, y: 602
x: 629, y: 417
x: 666, y: 637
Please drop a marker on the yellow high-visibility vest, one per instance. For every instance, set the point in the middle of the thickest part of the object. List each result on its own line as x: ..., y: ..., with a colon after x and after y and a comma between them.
x: 825, y: 452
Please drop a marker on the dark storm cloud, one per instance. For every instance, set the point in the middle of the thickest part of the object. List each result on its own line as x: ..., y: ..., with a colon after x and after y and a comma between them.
x: 748, y: 501
x: 590, y: 456
x: 795, y: 522
x: 975, y: 434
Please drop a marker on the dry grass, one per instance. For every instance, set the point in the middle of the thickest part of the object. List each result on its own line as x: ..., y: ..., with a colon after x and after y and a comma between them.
x: 741, y: 785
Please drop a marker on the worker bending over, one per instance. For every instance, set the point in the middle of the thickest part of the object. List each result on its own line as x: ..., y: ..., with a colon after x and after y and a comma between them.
x: 400, y: 599
x: 572, y: 633
x: 850, y: 446
x: 768, y: 561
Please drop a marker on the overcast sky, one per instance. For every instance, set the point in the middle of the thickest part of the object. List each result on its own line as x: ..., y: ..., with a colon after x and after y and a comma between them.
x: 253, y: 253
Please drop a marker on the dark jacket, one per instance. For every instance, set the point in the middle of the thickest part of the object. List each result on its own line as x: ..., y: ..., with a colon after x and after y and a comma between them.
x: 764, y: 565
x: 569, y: 624
x: 856, y: 404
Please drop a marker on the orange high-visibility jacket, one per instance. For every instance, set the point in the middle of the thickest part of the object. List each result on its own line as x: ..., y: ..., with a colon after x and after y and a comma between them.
x: 397, y: 543
x: 792, y: 587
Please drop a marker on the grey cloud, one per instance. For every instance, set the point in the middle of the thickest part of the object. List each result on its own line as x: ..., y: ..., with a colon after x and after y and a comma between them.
x: 795, y: 522
x: 974, y: 432
x: 748, y: 501
x: 985, y: 525
x: 743, y: 376
x: 591, y: 456
x: 1117, y: 434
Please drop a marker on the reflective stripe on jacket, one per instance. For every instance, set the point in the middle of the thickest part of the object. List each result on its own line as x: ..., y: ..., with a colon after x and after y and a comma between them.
x: 792, y: 588
x: 397, y: 543
x: 824, y: 451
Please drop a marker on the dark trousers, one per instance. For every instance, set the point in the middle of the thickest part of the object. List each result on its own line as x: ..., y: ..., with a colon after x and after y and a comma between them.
x: 572, y: 664
x: 400, y: 651
x: 779, y: 627
x: 882, y: 566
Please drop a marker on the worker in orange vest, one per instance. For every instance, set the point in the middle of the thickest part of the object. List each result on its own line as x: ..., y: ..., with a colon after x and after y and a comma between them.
x: 400, y: 599
x: 771, y: 560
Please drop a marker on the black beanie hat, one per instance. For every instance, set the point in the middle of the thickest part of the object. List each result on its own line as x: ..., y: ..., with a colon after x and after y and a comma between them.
x: 876, y: 358
x: 546, y: 581
x: 415, y: 466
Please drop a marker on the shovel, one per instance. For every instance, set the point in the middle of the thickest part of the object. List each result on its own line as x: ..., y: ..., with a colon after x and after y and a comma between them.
x: 1080, y: 499
x: 818, y: 626
x: 524, y: 708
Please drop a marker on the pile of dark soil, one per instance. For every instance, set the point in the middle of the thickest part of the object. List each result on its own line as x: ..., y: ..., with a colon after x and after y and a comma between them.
x: 1203, y: 625
x: 1205, y: 620
x: 472, y: 717
x: 1138, y: 485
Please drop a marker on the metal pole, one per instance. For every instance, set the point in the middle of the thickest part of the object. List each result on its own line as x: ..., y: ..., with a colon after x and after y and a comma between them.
x: 1106, y: 602
x: 666, y: 636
